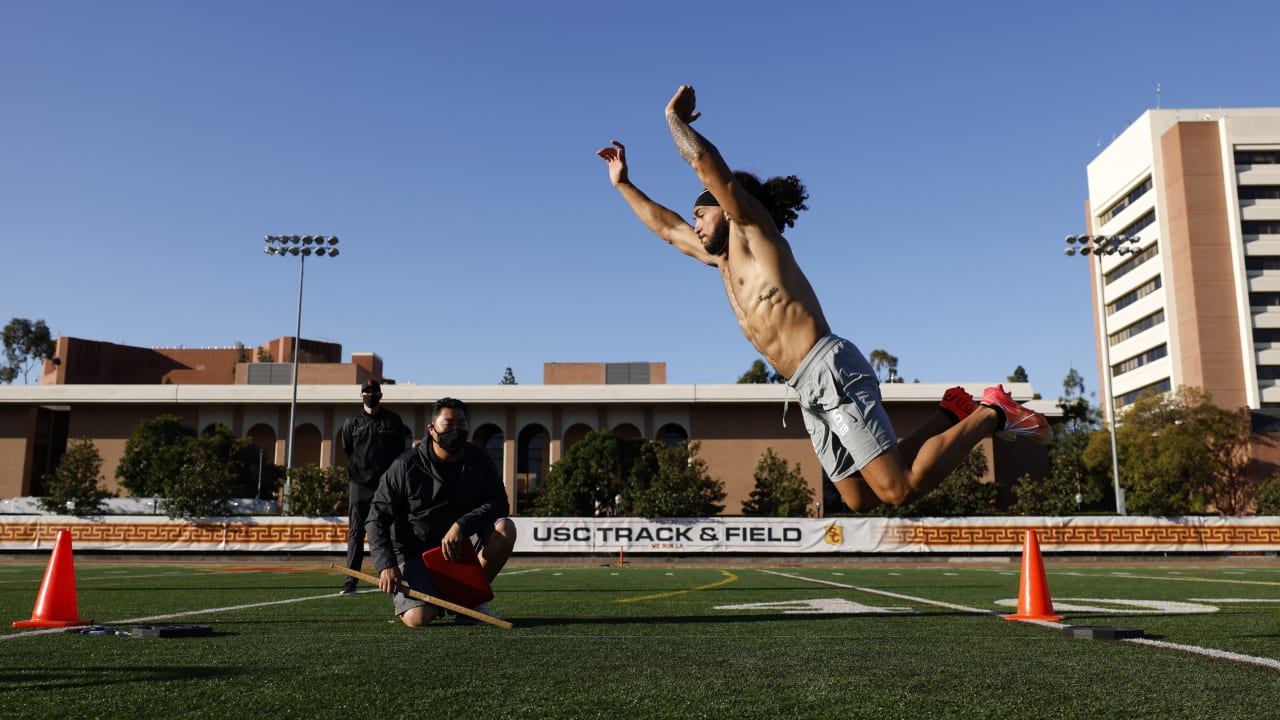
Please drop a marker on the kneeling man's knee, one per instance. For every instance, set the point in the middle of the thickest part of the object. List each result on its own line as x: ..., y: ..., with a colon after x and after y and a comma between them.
x: 506, y: 528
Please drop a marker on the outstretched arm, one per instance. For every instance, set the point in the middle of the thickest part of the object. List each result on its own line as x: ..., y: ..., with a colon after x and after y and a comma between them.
x: 706, y: 161
x: 664, y: 222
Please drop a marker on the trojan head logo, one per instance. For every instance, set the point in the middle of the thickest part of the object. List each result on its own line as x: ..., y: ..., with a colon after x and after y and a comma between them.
x: 834, y: 534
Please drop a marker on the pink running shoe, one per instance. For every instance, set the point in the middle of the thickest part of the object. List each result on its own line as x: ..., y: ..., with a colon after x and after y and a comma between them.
x: 1016, y: 420
x: 957, y: 404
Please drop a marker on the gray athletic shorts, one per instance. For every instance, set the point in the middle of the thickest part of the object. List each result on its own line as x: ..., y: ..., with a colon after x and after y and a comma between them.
x: 840, y: 401
x: 414, y: 573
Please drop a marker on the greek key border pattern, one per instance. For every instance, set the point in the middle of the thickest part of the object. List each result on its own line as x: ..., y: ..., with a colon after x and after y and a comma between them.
x: 1093, y: 535
x: 146, y: 534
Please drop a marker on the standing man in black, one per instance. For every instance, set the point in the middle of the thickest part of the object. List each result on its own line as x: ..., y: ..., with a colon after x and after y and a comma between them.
x: 372, y: 439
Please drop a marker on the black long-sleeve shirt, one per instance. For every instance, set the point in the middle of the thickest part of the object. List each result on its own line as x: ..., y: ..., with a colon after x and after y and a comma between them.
x: 421, y: 497
x: 372, y: 441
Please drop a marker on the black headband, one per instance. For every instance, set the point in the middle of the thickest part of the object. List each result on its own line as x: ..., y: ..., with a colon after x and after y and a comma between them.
x: 706, y: 198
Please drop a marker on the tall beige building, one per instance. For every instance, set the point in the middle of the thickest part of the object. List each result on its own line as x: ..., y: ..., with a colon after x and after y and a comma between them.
x: 1198, y: 303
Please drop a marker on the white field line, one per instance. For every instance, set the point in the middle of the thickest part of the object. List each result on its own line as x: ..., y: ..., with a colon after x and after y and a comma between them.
x: 46, y: 631
x: 1234, y: 601
x: 1208, y: 652
x: 1194, y: 649
x: 885, y: 593
x: 170, y: 616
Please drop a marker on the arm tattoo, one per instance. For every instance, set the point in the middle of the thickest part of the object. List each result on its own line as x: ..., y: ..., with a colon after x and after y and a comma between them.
x: 689, y: 143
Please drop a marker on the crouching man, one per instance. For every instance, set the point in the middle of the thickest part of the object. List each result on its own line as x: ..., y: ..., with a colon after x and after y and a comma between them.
x: 444, y: 492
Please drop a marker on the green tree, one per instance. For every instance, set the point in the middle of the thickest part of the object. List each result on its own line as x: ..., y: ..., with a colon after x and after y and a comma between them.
x: 508, y: 378
x: 26, y: 345
x: 243, y: 458
x: 318, y: 492
x: 202, y: 486
x: 1020, y: 376
x: 196, y: 473
x: 760, y: 374
x: 586, y: 481
x: 961, y: 493
x: 885, y: 365
x: 155, y: 452
x: 672, y: 482
x: 75, y: 486
x: 779, y: 491
x: 1267, y: 497
x: 1180, y: 454
x: 1072, y: 486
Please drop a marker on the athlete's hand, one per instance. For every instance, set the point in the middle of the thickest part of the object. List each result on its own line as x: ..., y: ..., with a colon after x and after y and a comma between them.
x: 683, y: 104
x: 616, y: 157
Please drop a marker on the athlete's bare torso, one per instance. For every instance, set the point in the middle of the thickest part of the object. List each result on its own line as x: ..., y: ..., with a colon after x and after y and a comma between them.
x: 776, y: 306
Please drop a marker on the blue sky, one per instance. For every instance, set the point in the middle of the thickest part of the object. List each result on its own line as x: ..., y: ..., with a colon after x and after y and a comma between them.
x: 149, y: 146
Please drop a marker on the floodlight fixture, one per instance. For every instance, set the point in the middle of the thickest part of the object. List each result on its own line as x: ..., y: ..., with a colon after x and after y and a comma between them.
x: 299, y: 246
x: 1109, y: 245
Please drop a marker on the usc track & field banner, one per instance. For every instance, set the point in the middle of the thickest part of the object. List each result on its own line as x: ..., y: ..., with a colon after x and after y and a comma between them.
x: 677, y: 536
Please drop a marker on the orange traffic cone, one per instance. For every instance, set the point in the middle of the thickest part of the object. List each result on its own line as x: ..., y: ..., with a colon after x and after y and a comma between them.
x: 1033, y: 590
x: 56, y: 603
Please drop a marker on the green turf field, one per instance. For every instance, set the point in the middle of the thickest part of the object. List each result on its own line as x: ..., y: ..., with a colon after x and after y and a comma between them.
x: 648, y: 641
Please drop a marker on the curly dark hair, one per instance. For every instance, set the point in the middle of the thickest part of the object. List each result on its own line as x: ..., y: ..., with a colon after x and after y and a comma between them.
x: 783, y: 197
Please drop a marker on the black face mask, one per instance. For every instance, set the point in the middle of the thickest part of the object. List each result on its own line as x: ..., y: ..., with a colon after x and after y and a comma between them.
x: 451, y: 441
x: 372, y: 401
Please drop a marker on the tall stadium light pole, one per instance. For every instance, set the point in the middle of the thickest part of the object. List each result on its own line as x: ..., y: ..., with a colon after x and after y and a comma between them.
x: 301, y: 246
x: 1105, y: 245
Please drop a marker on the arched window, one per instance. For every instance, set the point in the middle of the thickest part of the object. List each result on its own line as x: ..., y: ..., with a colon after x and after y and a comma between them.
x: 306, y: 445
x: 264, y: 437
x: 531, y: 463
x: 491, y: 438
x: 671, y: 435
x: 575, y: 433
x: 627, y: 431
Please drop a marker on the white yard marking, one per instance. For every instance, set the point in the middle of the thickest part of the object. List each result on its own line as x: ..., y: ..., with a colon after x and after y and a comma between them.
x: 883, y: 593
x: 819, y: 606
x: 1193, y: 649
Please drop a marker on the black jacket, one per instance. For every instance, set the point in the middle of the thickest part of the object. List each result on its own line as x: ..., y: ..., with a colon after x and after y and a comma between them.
x: 415, y: 505
x: 372, y: 443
